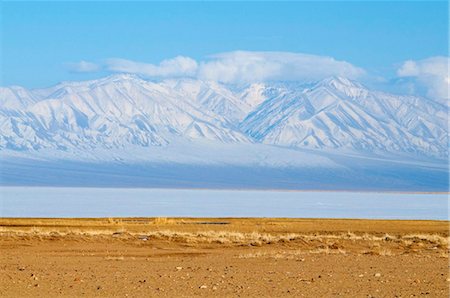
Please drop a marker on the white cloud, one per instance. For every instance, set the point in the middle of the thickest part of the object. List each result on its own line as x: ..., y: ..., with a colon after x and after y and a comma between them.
x: 176, y: 67
x: 431, y: 74
x: 83, y: 66
x: 241, y: 66
x: 428, y: 77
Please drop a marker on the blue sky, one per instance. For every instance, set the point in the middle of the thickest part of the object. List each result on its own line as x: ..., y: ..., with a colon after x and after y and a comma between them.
x: 43, y: 41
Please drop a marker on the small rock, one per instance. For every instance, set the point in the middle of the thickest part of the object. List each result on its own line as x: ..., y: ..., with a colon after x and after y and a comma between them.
x: 361, y: 275
x: 116, y: 234
x: 203, y: 287
x: 21, y: 268
x: 214, y: 288
x: 179, y: 268
x: 377, y: 274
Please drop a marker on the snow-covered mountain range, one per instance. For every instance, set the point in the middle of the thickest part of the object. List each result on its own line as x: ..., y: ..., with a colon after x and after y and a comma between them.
x: 337, y: 129
x: 123, y: 110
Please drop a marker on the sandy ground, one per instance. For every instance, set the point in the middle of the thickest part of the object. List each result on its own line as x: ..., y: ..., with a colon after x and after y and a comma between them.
x: 223, y: 258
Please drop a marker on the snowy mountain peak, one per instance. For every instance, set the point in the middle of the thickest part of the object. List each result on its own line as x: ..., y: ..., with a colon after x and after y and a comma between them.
x: 68, y: 86
x: 342, y: 85
x: 123, y: 77
x: 337, y: 113
x: 125, y: 110
x: 338, y: 81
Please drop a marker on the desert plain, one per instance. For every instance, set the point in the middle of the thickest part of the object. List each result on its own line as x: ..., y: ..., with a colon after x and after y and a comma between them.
x: 223, y: 257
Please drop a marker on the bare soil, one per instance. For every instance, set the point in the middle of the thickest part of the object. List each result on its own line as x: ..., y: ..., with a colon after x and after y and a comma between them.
x: 185, y: 257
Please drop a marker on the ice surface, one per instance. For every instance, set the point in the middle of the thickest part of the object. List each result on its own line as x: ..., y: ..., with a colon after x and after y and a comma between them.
x: 105, y: 202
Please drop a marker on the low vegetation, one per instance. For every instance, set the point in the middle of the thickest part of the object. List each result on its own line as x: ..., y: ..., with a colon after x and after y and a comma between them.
x: 234, y: 232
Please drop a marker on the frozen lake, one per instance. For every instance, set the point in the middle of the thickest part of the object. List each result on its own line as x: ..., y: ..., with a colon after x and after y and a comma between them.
x: 105, y: 202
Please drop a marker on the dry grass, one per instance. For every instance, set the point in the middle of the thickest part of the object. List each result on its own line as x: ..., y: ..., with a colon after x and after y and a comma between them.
x: 221, y: 237
x: 310, y: 236
x: 166, y: 221
x: 229, y: 237
x: 343, y: 243
x: 112, y: 258
x: 285, y: 255
x: 434, y: 239
x: 379, y: 251
x: 327, y: 250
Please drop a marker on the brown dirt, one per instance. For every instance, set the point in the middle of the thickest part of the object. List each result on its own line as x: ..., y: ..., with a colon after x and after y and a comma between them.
x: 145, y: 257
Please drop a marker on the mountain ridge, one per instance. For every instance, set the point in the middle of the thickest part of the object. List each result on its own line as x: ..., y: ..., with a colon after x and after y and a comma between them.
x: 125, y: 110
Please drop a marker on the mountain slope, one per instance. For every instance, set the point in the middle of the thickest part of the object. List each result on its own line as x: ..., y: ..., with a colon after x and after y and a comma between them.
x: 338, y: 113
x: 120, y: 111
x: 109, y: 113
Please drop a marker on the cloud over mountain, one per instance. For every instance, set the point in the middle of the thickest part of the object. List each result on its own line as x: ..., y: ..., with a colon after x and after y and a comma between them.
x: 428, y: 77
x: 83, y: 66
x: 432, y: 74
x: 245, y: 66
x: 179, y: 66
x: 235, y: 67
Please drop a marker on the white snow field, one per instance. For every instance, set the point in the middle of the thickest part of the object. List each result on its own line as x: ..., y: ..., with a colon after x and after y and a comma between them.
x: 126, y: 202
